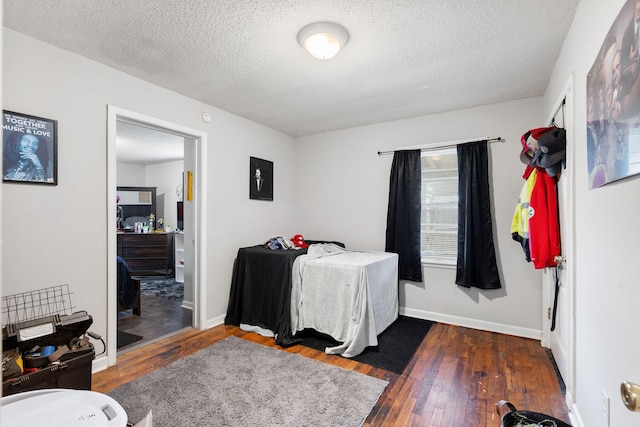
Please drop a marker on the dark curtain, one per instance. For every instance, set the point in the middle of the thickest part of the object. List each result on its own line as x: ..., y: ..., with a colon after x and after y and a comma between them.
x: 476, y: 265
x: 403, y: 214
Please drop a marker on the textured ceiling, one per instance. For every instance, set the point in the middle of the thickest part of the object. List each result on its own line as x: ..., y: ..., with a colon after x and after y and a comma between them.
x: 404, y: 58
x: 142, y: 145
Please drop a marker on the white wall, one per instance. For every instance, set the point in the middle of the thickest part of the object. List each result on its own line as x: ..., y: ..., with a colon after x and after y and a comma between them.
x: 166, y: 177
x: 57, y: 235
x: 342, y: 193
x: 130, y: 175
x: 606, y: 229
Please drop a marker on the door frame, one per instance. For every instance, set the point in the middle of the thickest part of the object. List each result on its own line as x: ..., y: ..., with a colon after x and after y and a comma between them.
x: 567, y: 274
x: 114, y: 114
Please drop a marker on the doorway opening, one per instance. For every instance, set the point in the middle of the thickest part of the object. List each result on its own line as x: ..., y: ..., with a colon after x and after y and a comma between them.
x: 176, y: 253
x: 150, y: 278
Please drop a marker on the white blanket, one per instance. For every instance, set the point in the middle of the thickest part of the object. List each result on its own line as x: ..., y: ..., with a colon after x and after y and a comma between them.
x: 350, y: 295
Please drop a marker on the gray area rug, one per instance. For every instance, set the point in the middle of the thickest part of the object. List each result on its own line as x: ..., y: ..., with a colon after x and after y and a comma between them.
x: 239, y: 383
x: 163, y: 288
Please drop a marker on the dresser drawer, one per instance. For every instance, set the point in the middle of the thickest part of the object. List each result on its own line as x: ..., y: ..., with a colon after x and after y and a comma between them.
x: 150, y: 239
x: 144, y: 252
x: 147, y: 264
x: 148, y: 254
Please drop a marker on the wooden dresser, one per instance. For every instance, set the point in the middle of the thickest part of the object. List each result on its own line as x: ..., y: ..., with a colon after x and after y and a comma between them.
x: 148, y: 254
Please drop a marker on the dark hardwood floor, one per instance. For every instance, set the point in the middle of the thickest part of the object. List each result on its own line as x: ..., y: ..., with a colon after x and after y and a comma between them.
x: 160, y: 317
x: 456, y: 377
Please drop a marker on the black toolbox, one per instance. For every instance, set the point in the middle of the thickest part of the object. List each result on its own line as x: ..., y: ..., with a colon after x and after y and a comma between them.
x: 45, y: 320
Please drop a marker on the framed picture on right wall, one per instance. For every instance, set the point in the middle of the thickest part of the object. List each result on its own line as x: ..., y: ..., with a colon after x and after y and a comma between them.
x: 613, y: 102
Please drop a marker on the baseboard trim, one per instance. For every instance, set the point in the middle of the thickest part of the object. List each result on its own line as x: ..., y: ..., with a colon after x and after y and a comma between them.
x: 218, y: 320
x: 430, y: 315
x: 574, y: 416
x: 472, y: 323
x: 99, y: 364
x: 442, y: 318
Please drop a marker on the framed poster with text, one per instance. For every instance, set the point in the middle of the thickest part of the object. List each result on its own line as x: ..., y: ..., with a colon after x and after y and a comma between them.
x: 29, y: 149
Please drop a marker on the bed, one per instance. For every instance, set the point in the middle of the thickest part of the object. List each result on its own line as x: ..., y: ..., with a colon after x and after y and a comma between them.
x: 261, y: 292
x: 351, y: 296
x: 128, y: 289
x: 278, y: 293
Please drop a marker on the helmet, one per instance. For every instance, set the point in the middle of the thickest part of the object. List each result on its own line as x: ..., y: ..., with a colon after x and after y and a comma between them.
x: 298, y: 240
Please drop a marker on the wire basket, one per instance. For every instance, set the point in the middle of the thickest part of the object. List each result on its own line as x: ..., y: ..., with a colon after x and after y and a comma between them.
x: 42, y: 303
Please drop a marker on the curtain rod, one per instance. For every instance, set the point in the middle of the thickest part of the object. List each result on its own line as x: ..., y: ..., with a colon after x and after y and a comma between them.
x: 448, y: 144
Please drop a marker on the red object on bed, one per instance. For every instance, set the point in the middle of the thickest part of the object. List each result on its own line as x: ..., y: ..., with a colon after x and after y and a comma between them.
x: 298, y: 240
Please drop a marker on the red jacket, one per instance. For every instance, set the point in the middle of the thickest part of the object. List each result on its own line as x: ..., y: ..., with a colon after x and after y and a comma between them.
x: 544, y: 226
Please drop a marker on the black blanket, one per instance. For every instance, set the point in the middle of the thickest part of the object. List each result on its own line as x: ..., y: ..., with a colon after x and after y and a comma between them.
x: 261, y: 291
x: 126, y: 287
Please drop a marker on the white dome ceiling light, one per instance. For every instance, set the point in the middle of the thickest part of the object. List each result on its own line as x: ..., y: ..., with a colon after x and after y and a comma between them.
x: 323, y: 40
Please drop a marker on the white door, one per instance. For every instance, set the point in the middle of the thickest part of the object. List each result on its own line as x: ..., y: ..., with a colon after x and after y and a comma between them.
x: 561, y: 339
x: 189, y: 237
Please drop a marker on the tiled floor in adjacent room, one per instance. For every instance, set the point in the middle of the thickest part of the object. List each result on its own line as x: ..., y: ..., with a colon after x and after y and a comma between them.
x: 159, y: 317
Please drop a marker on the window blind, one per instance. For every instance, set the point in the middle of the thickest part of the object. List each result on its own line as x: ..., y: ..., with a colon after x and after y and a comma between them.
x: 439, y: 218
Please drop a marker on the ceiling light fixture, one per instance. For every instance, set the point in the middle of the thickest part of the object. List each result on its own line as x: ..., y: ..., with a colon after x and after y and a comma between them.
x: 323, y: 40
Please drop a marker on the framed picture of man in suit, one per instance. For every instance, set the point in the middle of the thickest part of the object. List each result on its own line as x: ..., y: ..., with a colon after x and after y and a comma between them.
x: 260, y: 179
x: 29, y: 149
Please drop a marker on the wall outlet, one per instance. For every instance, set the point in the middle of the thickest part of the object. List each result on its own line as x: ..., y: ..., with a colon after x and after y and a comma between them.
x: 605, y: 408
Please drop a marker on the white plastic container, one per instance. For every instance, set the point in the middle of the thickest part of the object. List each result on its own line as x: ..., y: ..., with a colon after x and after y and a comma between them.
x: 61, y: 408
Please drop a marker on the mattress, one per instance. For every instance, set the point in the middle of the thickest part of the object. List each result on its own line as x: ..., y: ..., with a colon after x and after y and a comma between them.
x: 350, y: 295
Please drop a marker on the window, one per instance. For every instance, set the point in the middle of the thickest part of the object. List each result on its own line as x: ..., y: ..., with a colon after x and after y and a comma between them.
x: 439, y: 220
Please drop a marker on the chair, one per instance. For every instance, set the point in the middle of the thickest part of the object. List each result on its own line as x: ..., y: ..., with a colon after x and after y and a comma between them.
x: 128, y: 289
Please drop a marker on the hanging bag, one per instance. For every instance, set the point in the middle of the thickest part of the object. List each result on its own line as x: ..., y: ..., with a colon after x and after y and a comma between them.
x: 553, y: 145
x: 515, y: 418
x: 544, y: 148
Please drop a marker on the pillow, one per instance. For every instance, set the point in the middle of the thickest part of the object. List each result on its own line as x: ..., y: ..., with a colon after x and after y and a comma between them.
x: 313, y: 242
x: 131, y: 221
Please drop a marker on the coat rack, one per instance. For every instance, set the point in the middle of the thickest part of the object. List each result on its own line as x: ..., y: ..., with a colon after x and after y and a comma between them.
x: 561, y: 106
